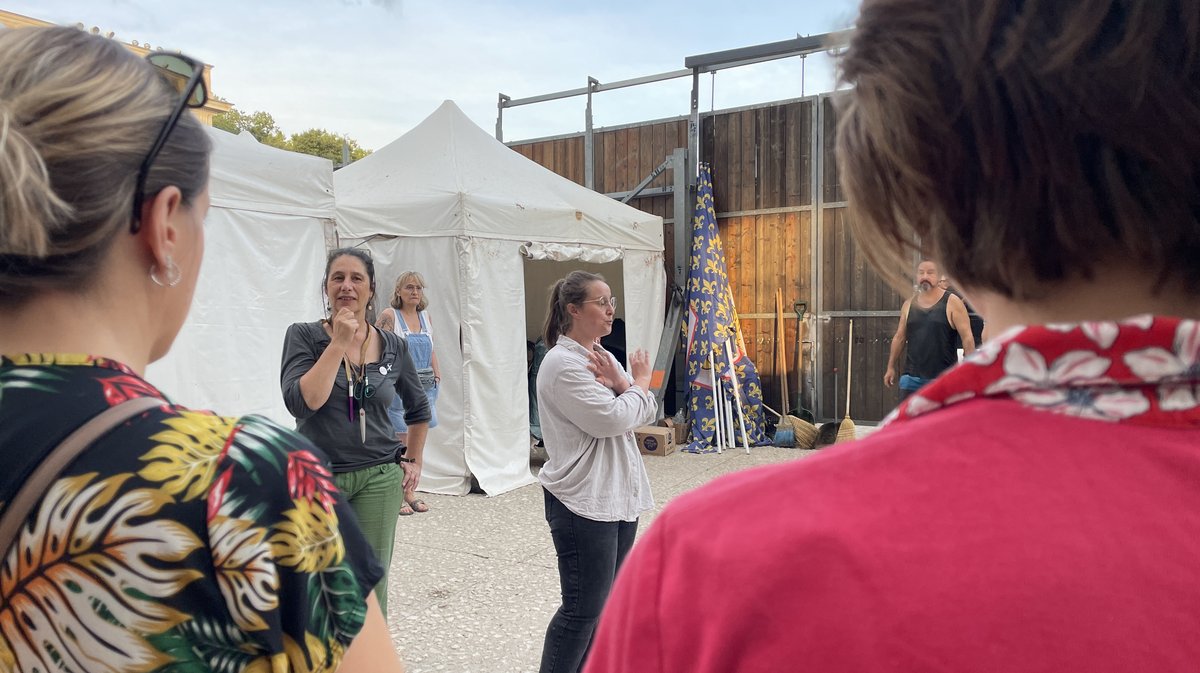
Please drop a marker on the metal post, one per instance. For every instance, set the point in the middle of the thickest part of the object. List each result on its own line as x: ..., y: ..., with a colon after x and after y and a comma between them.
x: 818, y: 199
x: 503, y: 100
x: 694, y: 130
x: 589, y: 162
x: 683, y: 257
x: 683, y: 216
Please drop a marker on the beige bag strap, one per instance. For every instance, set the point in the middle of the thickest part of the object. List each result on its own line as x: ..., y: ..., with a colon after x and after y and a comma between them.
x: 57, y: 460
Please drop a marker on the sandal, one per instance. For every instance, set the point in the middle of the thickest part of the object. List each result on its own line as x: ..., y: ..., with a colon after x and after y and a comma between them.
x: 405, y: 510
x: 418, y: 505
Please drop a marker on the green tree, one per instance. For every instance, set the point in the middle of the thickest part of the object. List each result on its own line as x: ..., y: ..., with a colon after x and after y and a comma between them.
x: 322, y: 143
x: 260, y: 124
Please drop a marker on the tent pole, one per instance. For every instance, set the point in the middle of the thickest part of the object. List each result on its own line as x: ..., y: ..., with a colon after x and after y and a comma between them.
x: 716, y: 387
x: 737, y: 397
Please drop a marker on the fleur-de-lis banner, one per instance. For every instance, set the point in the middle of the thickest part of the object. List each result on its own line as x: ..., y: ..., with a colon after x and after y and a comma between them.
x: 713, y: 321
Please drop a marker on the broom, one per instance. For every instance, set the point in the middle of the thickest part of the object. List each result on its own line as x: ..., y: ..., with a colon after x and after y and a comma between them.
x: 785, y: 434
x: 846, y: 429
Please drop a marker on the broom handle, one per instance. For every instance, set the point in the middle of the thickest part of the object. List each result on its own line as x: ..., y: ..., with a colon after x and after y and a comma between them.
x: 779, y: 349
x: 849, y: 366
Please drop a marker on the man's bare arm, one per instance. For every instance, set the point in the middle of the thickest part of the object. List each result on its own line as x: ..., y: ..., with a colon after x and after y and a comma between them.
x: 956, y: 313
x: 898, y: 341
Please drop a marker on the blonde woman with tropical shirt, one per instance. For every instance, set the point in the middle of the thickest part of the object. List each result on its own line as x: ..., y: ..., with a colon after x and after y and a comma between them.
x: 178, y: 540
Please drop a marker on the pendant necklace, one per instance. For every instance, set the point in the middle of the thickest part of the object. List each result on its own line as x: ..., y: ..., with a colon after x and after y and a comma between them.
x: 356, y: 381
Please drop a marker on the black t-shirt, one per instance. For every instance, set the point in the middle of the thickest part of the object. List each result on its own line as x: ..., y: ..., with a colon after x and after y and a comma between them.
x: 331, y: 427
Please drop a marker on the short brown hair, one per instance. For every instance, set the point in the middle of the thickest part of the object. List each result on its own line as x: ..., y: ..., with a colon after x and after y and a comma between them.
x: 1021, y: 143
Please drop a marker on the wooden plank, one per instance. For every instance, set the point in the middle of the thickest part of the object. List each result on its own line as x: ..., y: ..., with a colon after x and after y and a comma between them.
x: 612, y: 162
x: 568, y: 159
x: 770, y: 240
x: 575, y: 159
x: 806, y: 258
x: 620, y: 162
x: 558, y: 162
x: 646, y: 151
x: 748, y: 172
x: 833, y: 185
x: 808, y: 153
x: 775, y: 149
x: 792, y: 265
x: 728, y: 162
x: 829, y: 256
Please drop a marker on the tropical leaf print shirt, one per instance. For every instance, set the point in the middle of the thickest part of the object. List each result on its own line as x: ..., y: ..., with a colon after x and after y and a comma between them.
x: 180, y: 541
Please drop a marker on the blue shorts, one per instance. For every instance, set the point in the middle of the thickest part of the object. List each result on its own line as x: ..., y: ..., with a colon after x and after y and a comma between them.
x: 911, y: 383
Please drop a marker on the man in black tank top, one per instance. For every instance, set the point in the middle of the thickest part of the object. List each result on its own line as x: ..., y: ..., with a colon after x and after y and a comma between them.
x: 929, y: 322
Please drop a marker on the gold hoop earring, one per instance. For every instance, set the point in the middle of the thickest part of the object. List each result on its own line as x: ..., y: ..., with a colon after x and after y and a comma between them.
x: 174, y: 275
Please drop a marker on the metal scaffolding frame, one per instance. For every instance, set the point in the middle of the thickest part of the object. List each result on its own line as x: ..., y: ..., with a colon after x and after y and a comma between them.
x: 684, y: 162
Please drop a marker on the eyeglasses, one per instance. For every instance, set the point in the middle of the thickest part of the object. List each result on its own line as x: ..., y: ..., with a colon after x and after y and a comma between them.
x: 602, y: 302
x: 410, y: 288
x: 187, y: 76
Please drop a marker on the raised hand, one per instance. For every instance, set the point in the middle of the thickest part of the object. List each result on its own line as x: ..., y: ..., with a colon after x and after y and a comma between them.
x: 640, y: 368
x: 606, y: 370
x: 344, y: 327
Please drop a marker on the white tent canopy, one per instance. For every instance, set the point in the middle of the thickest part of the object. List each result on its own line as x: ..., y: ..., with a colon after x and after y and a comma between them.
x: 264, y: 254
x: 448, y: 200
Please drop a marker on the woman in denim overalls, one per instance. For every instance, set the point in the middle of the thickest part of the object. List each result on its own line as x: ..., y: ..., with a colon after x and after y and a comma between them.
x: 407, y: 317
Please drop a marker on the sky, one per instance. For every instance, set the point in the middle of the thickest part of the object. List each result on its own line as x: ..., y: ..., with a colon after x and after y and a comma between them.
x: 373, y: 69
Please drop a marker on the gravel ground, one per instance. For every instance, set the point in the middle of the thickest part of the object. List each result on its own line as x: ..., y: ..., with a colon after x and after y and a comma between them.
x: 474, y: 580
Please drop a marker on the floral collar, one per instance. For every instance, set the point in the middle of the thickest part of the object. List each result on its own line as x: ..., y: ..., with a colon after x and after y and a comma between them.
x: 1144, y: 370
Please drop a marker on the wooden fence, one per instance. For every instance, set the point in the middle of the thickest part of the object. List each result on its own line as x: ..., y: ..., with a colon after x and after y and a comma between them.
x: 783, y: 222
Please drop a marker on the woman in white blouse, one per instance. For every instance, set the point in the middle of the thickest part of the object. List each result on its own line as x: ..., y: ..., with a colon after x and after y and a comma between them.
x: 594, y: 482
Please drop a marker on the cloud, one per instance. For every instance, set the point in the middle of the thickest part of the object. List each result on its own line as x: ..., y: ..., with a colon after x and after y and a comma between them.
x: 389, y: 5
x: 373, y: 69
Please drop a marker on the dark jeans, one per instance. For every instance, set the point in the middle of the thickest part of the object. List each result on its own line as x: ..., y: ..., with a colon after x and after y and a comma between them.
x: 589, y: 553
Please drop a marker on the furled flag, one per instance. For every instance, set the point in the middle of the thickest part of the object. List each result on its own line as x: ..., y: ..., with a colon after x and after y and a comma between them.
x: 713, y: 322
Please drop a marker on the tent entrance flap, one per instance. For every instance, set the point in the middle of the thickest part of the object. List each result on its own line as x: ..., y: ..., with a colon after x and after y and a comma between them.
x: 540, y: 277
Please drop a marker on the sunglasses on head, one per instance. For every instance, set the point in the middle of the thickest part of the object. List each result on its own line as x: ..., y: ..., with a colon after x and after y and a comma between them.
x: 186, y: 75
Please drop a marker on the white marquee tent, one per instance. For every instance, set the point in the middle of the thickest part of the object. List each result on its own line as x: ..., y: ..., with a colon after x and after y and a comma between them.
x: 264, y: 254
x: 450, y: 201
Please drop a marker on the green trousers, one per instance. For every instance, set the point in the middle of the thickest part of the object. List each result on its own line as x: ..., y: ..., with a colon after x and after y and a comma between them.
x: 376, y: 495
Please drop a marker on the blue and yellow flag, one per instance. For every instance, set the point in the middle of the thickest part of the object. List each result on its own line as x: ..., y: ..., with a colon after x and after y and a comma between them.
x: 712, y: 323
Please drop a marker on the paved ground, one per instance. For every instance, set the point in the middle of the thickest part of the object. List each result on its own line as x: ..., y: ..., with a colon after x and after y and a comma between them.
x: 474, y: 581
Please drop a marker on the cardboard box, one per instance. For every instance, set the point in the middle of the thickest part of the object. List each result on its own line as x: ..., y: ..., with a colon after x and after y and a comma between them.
x: 682, y: 430
x: 655, y: 441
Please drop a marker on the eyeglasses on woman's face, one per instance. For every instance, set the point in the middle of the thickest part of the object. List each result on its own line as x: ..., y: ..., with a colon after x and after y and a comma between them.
x: 186, y: 74
x: 610, y: 302
x: 412, y: 288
